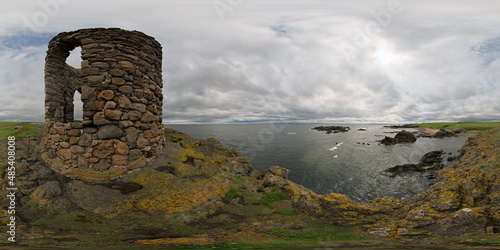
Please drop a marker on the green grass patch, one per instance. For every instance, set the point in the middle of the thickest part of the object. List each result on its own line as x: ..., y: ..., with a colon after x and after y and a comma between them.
x: 92, y: 230
x: 496, y: 136
x: 248, y: 210
x: 238, y: 179
x: 275, y: 244
x: 233, y: 192
x: 481, y: 239
x: 288, y: 212
x: 73, y: 222
x: 19, y: 129
x: 485, y: 168
x: 272, y: 198
x: 26, y: 191
x: 465, y: 125
x: 319, y: 232
x: 485, y: 201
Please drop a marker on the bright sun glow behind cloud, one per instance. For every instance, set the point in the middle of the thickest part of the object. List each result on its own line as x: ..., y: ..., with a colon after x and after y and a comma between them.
x: 384, y: 56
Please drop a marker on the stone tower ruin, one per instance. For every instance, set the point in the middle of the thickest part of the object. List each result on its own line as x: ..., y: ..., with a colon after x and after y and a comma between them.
x: 120, y: 83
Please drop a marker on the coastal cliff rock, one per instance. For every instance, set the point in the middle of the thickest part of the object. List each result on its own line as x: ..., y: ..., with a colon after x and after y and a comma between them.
x: 429, y: 163
x: 464, y: 200
x: 468, y: 190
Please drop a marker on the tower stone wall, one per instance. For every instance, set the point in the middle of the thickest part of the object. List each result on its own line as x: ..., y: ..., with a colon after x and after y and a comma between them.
x: 120, y: 83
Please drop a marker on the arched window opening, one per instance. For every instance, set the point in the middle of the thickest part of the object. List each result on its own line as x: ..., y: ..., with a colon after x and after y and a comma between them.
x: 75, y: 58
x: 78, y: 106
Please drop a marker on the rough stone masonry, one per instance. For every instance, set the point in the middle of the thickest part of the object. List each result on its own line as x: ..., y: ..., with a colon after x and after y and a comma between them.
x: 120, y: 83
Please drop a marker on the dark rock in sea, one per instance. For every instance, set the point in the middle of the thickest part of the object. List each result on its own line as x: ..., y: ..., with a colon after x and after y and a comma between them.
x: 401, y: 137
x: 429, y: 164
x: 443, y: 133
x: 362, y: 129
x: 332, y: 129
x: 405, y: 136
x: 431, y: 158
x: 401, y: 169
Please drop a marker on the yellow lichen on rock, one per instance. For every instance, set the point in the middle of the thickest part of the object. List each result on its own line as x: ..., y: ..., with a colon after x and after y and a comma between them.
x: 189, y: 173
x: 166, y: 193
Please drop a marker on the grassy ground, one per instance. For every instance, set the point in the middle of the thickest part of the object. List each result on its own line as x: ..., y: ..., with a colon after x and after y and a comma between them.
x: 19, y: 129
x: 469, y: 126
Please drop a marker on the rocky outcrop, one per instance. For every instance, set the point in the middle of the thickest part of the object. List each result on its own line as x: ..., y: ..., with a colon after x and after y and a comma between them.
x: 332, y: 129
x: 335, y: 208
x: 401, y: 137
x: 445, y: 133
x: 428, y: 164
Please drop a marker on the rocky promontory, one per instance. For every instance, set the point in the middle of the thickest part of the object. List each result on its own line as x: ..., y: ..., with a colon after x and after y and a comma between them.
x: 401, y: 137
x: 428, y: 164
x: 332, y: 129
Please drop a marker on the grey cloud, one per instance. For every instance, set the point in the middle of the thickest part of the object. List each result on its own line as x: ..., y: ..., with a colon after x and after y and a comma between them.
x: 285, y: 62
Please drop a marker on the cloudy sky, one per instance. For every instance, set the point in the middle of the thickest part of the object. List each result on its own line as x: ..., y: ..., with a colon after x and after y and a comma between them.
x: 391, y: 61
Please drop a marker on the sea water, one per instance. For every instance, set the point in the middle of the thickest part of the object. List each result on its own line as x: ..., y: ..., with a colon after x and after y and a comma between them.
x: 349, y: 163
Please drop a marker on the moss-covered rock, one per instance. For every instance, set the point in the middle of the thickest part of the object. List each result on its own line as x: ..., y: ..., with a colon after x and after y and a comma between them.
x: 166, y: 193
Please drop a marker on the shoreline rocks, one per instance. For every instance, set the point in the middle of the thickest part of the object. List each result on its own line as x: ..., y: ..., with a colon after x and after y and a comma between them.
x: 429, y: 132
x: 445, y: 133
x: 401, y: 137
x: 429, y: 164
